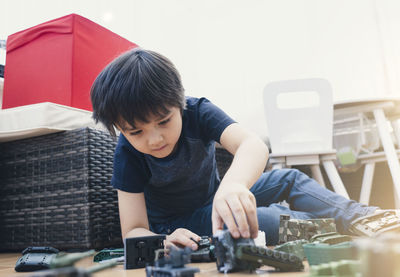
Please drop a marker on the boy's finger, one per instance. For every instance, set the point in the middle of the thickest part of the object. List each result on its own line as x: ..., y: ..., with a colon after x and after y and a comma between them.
x: 217, y: 223
x: 225, y: 213
x: 192, y: 235
x: 251, y: 215
x: 240, y: 216
x: 168, y: 244
x: 185, y: 241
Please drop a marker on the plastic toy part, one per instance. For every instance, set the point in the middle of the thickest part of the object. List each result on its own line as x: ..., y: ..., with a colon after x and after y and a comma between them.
x: 330, y: 238
x: 376, y: 224
x: 74, y: 272
x: 344, y: 268
x: 243, y: 255
x: 297, y: 229
x: 205, y: 251
x: 293, y: 247
x: 39, y: 258
x: 35, y: 258
x: 318, y: 253
x: 172, y: 265
x: 65, y: 260
x: 140, y: 251
x: 107, y: 254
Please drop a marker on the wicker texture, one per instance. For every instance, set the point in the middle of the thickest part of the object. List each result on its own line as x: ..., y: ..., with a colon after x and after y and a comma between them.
x: 55, y: 191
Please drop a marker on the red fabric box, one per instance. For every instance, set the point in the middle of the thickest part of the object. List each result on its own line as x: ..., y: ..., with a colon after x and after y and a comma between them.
x: 57, y: 61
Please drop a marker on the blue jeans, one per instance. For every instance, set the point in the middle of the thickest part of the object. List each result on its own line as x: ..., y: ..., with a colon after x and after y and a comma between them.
x: 306, y: 198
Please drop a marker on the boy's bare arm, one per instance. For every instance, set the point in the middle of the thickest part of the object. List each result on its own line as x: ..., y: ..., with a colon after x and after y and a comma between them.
x: 134, y: 222
x: 234, y: 204
x: 133, y: 215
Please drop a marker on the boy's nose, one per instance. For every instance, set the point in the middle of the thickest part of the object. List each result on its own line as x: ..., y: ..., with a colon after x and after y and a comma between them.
x: 155, y: 139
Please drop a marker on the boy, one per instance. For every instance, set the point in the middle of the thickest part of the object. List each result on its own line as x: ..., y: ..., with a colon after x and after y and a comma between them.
x: 165, y: 170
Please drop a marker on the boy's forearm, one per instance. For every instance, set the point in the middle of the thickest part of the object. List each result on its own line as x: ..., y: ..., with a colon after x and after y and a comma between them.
x: 248, y: 163
x: 139, y: 232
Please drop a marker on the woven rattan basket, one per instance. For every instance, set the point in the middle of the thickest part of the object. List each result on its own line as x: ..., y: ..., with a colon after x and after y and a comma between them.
x: 55, y: 191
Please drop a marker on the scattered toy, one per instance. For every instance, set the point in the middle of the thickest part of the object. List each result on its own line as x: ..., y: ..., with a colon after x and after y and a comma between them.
x: 242, y: 254
x: 140, y: 251
x: 172, y: 265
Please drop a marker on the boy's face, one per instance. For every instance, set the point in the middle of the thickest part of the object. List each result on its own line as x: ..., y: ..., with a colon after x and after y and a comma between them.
x: 157, y: 138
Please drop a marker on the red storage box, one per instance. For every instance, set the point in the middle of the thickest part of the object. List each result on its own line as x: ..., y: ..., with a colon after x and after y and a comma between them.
x: 57, y: 61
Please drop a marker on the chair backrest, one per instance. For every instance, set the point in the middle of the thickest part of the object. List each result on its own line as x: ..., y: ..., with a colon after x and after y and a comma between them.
x: 299, y: 115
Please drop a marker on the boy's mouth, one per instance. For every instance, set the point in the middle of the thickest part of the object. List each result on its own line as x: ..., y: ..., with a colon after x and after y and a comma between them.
x: 161, y: 148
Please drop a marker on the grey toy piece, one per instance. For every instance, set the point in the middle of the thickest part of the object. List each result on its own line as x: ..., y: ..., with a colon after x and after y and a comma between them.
x: 297, y: 229
x: 242, y: 254
x: 172, y: 265
x: 375, y: 224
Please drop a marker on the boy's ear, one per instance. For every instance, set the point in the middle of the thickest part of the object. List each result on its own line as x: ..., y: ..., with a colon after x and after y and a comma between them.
x: 116, y: 127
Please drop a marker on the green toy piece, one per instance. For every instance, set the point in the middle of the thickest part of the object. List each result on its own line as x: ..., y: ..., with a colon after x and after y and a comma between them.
x: 318, y: 253
x: 294, y: 247
x: 343, y: 268
x: 65, y: 260
x: 107, y: 254
x: 330, y: 238
x: 346, y: 156
x: 71, y: 271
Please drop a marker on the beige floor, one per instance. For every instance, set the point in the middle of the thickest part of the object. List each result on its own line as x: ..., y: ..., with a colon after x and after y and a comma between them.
x: 7, y: 263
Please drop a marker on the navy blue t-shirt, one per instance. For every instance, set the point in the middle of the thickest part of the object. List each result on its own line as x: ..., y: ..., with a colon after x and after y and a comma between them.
x: 183, y: 181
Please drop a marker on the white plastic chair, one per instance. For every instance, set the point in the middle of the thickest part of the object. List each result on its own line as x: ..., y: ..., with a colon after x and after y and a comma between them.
x: 299, y: 116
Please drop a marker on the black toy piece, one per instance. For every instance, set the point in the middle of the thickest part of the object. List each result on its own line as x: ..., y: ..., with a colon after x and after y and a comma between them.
x: 204, y: 252
x: 172, y: 265
x: 242, y: 254
x: 36, y: 258
x: 140, y: 251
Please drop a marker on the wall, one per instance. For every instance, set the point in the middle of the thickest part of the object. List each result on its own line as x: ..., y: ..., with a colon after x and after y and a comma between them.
x: 228, y: 50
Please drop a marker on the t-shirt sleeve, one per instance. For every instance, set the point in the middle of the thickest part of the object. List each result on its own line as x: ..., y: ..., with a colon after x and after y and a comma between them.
x: 212, y: 119
x: 129, y: 170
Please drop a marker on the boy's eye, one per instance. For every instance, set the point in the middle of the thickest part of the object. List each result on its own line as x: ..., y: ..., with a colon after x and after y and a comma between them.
x: 164, y: 121
x: 134, y: 133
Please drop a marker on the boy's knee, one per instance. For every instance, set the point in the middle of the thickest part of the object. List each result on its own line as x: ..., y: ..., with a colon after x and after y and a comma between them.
x: 290, y: 173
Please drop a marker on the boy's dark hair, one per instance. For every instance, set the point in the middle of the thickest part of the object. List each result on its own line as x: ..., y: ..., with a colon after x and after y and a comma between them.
x: 137, y: 84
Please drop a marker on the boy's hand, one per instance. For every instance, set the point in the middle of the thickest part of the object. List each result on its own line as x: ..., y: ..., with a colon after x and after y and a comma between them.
x: 235, y: 206
x: 181, y: 238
